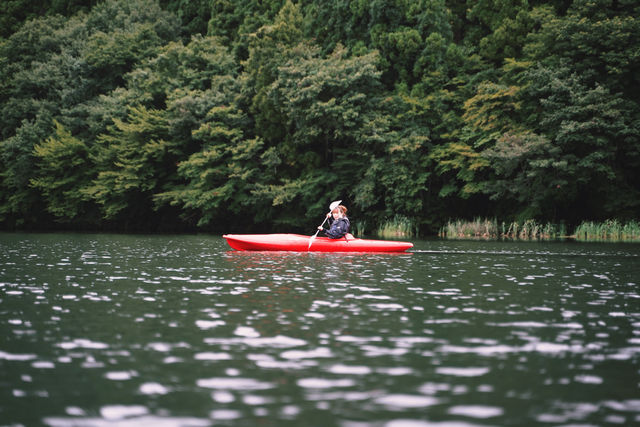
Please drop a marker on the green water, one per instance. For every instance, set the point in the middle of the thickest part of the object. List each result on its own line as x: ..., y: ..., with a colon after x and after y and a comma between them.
x: 103, y: 330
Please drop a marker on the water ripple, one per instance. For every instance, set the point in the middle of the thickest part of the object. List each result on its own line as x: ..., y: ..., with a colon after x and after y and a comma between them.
x: 178, y: 330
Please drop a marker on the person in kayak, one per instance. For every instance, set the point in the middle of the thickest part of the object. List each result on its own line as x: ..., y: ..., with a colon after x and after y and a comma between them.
x: 339, y: 224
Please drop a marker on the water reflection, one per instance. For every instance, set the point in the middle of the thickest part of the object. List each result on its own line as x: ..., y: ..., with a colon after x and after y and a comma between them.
x: 178, y: 330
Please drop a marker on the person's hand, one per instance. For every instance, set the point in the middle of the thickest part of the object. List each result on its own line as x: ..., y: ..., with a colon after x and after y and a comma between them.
x: 329, y: 215
x: 320, y: 227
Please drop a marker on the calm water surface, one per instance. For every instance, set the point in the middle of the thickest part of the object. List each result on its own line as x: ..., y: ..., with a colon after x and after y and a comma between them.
x: 117, y: 330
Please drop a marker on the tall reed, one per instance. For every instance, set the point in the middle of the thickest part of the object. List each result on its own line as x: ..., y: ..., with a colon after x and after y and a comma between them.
x: 478, y: 228
x: 359, y: 227
x: 481, y: 228
x: 398, y: 226
x: 610, y: 230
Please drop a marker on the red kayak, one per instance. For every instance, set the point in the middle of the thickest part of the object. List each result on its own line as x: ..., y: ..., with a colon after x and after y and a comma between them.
x: 300, y: 243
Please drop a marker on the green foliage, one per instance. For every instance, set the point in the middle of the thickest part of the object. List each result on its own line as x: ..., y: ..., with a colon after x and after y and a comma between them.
x: 123, y: 34
x: 218, y: 177
x: 597, y: 136
x: 194, y: 14
x: 400, y: 49
x: 269, y: 48
x: 52, y: 69
x: 329, y: 107
x: 114, y: 54
x: 64, y: 169
x: 14, y: 13
x: 398, y: 173
x: 237, y: 21
x: 598, y: 39
x: 134, y: 159
x: 502, y: 27
x: 461, y: 163
x: 326, y: 104
x: 40, y: 73
x: 492, y: 111
x: 18, y: 199
x: 529, y: 172
x: 253, y: 113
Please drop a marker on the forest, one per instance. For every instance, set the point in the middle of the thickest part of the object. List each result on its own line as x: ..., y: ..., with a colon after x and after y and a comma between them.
x: 253, y: 115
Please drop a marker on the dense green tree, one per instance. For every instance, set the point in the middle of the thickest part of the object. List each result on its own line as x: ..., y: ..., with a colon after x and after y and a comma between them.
x: 111, y: 55
x: 37, y: 77
x: 270, y: 47
x: 14, y: 13
x: 134, y: 160
x: 397, y: 178
x: 498, y: 26
x: 137, y: 158
x: 488, y: 115
x: 530, y: 175
x: 200, y: 86
x: 237, y: 21
x: 64, y: 170
x: 194, y: 14
x: 554, y: 147
x: 20, y: 203
x: 220, y: 175
x: 330, y: 110
x: 596, y: 39
x: 40, y: 72
x: 598, y: 134
x: 122, y: 35
x: 52, y: 66
x: 339, y: 21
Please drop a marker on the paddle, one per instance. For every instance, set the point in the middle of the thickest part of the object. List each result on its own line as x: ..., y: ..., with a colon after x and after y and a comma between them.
x: 332, y: 206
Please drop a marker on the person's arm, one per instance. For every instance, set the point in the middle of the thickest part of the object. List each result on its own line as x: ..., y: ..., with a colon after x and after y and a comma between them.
x: 330, y: 222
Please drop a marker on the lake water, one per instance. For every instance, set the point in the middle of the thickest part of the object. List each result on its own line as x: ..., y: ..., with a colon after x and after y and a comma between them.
x: 121, y: 330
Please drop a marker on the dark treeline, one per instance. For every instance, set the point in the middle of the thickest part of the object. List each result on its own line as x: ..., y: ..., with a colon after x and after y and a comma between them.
x: 220, y: 115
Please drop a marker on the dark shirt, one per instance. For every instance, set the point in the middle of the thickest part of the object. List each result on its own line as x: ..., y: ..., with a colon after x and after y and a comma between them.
x: 337, y: 228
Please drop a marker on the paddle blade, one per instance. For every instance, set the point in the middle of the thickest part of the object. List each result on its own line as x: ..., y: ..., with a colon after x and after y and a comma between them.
x: 334, y: 205
x: 311, y: 239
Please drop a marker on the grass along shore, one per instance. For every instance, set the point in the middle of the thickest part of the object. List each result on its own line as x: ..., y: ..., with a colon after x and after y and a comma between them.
x: 491, y: 229
x: 397, y: 227
x: 610, y: 230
